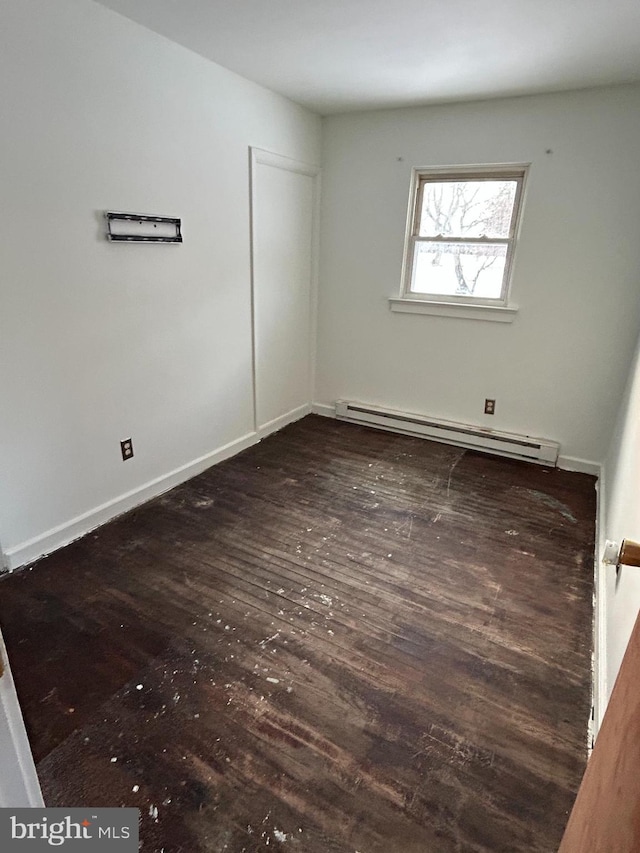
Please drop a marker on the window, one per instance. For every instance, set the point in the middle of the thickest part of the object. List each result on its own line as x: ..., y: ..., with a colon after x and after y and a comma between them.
x: 461, y: 235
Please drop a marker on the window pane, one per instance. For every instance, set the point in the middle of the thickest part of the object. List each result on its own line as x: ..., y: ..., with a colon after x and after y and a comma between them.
x: 459, y: 269
x: 467, y: 208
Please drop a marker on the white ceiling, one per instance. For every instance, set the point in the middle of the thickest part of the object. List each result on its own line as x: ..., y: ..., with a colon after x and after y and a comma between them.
x: 339, y: 55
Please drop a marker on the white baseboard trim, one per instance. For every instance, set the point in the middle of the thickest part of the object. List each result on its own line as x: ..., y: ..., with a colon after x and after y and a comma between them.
x: 324, y: 410
x: 600, y: 680
x: 283, y: 421
x: 63, y: 534
x: 582, y: 466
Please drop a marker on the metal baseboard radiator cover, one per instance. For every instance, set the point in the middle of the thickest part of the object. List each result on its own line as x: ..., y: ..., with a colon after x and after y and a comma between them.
x: 474, y: 437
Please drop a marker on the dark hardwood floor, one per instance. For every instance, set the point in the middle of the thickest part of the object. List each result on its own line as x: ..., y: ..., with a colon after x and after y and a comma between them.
x: 340, y: 640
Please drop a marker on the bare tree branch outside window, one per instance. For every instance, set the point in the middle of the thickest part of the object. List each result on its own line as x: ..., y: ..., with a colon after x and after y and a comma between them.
x: 461, y: 234
x: 473, y: 209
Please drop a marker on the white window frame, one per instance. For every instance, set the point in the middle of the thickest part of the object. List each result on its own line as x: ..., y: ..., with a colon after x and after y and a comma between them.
x: 467, y: 306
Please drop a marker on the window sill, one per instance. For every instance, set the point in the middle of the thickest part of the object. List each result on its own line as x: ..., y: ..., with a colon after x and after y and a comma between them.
x: 493, y: 313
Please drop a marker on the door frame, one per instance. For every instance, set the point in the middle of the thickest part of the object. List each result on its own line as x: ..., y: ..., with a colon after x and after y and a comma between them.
x: 19, y: 785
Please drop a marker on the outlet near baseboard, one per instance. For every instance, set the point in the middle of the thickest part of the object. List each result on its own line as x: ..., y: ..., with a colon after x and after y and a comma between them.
x: 126, y: 448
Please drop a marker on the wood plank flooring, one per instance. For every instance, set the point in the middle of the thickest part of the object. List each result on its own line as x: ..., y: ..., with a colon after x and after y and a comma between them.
x: 340, y: 640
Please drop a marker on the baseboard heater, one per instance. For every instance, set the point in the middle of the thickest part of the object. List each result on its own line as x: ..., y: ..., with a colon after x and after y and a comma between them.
x: 463, y: 435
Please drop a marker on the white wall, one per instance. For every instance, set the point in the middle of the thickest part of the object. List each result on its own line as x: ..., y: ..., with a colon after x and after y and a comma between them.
x: 558, y: 371
x: 99, y: 342
x: 619, y: 594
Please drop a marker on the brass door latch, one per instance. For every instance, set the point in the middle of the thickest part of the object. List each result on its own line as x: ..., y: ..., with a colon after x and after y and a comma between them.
x: 625, y: 554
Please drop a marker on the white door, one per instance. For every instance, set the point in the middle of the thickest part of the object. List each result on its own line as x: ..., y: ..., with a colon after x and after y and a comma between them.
x: 283, y: 201
x: 19, y: 786
x: 604, y: 818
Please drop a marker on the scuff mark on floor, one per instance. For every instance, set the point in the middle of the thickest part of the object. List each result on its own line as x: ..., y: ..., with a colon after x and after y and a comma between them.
x: 452, y: 469
x: 547, y: 500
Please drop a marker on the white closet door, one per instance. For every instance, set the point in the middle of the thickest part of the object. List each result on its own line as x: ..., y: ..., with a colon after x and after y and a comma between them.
x: 283, y: 201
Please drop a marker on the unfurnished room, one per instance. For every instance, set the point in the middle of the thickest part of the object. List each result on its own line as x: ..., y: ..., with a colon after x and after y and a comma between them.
x: 320, y: 426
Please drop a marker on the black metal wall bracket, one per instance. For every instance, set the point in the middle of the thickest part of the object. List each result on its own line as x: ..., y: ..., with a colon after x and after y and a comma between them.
x: 139, y: 228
